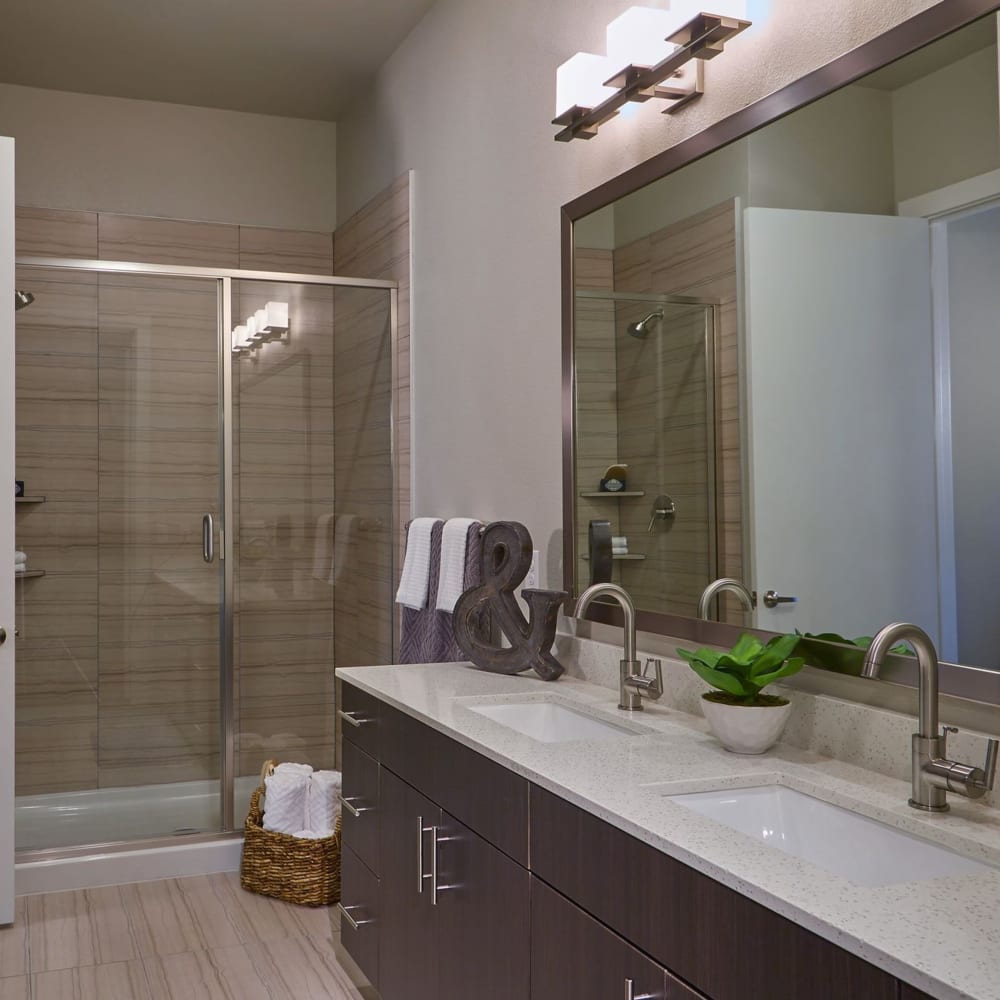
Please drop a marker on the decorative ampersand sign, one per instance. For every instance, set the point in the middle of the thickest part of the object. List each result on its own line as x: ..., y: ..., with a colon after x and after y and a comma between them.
x: 506, y: 561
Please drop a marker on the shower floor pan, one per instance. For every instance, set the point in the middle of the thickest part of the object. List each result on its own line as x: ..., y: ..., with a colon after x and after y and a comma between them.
x: 105, y: 815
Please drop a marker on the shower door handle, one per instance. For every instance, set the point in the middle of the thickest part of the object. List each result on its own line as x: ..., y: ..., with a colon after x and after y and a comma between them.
x: 208, y: 538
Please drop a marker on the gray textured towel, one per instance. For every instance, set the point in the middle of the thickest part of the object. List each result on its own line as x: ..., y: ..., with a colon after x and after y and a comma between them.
x: 427, y: 636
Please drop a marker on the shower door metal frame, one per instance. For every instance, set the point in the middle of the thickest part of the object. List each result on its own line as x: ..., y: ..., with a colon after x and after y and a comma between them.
x: 224, y: 277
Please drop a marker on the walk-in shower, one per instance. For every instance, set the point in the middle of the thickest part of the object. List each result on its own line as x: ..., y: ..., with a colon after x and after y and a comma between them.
x: 159, y: 667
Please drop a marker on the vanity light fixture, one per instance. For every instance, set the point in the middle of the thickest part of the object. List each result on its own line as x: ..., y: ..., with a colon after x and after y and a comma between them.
x: 650, y: 53
x: 266, y: 324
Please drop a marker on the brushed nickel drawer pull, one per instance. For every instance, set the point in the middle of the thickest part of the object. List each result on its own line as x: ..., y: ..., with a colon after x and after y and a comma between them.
x: 354, y: 924
x: 352, y: 719
x: 352, y: 809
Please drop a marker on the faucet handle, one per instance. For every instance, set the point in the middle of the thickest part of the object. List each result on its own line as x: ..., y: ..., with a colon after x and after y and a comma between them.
x: 990, y: 767
x: 655, y: 689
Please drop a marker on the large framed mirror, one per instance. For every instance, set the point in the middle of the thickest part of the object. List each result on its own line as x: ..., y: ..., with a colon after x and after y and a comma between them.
x: 781, y: 346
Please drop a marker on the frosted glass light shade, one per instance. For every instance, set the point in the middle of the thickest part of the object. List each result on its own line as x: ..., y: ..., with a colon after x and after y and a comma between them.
x: 240, y: 341
x: 638, y: 37
x: 682, y: 11
x: 580, y: 82
x: 276, y: 317
x: 260, y: 319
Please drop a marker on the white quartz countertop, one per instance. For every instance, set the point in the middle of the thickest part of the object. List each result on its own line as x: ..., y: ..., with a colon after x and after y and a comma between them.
x: 941, y: 936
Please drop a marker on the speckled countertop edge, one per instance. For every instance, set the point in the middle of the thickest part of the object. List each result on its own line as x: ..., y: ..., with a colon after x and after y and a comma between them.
x: 941, y: 936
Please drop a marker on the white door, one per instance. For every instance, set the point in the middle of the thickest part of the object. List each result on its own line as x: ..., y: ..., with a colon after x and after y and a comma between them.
x: 840, y: 373
x: 7, y: 530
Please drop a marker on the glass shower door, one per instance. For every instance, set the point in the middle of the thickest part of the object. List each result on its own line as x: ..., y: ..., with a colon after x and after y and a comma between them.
x: 118, y: 442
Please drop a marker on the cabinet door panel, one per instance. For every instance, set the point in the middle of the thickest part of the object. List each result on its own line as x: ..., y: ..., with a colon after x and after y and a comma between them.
x: 713, y: 937
x: 483, y: 905
x: 361, y: 790
x: 912, y: 993
x: 360, y: 898
x: 575, y: 956
x: 408, y: 923
x: 361, y: 727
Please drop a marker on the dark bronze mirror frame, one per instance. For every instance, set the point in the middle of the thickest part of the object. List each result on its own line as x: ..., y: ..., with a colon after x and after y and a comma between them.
x: 973, y: 683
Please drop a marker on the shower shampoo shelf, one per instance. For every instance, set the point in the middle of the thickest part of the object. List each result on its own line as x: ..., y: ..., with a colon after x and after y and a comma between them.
x: 595, y: 494
x: 31, y: 574
x: 18, y: 500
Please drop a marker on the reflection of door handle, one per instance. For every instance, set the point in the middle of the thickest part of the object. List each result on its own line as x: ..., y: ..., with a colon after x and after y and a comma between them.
x: 772, y: 599
x: 208, y: 538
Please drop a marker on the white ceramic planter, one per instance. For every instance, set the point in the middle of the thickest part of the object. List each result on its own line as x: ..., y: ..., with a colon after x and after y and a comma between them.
x: 749, y: 729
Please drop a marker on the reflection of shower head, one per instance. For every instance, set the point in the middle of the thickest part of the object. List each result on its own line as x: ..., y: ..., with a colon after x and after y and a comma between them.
x: 640, y: 329
x: 22, y: 299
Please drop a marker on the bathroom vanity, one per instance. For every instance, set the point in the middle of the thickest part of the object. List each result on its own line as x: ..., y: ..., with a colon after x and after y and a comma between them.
x: 477, y: 857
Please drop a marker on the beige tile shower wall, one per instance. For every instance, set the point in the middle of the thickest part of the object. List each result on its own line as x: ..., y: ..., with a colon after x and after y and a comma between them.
x: 597, y: 400
x: 284, y: 414
x: 56, y: 433
x: 373, y: 381
x: 117, y: 427
x: 698, y: 256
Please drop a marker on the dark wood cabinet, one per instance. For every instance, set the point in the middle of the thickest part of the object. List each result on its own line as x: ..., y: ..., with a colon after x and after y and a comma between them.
x: 361, y: 796
x: 408, y: 922
x: 594, y: 907
x: 483, y: 900
x: 585, y: 960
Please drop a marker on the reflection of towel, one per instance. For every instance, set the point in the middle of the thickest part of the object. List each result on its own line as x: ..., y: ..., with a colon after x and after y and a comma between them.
x: 451, y: 578
x: 415, y: 579
x: 343, y: 538
x: 285, y: 799
x: 323, y: 804
x: 428, y: 636
x: 322, y: 547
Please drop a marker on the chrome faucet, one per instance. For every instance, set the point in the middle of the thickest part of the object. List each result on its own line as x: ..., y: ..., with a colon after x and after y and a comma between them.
x: 634, y: 679
x: 933, y: 774
x: 748, y: 600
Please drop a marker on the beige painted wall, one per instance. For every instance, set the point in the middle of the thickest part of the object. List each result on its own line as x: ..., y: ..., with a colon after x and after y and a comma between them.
x: 466, y: 101
x: 106, y: 154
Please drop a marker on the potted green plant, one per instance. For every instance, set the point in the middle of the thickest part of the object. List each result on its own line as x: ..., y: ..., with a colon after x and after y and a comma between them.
x: 743, y: 719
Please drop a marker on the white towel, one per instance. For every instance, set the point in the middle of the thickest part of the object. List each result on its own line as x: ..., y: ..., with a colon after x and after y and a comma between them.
x: 323, y: 804
x: 310, y: 835
x: 322, y: 546
x: 20, y: 557
x: 451, y: 579
x: 415, y: 578
x: 343, y: 536
x: 285, y: 801
x: 290, y: 768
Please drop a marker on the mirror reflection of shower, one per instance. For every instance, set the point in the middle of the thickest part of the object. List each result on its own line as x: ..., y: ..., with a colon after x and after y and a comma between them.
x: 640, y: 329
x: 22, y: 299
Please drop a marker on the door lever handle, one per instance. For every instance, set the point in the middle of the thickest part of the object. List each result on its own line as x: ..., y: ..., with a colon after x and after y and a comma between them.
x: 772, y: 599
x: 208, y: 538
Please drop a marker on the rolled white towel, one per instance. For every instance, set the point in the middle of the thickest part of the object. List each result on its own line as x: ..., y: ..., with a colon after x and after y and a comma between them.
x: 323, y: 804
x: 20, y: 557
x: 310, y: 835
x: 286, y: 799
x: 289, y: 768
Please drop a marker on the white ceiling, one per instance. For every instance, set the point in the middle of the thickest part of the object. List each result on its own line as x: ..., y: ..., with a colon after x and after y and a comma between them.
x: 300, y: 58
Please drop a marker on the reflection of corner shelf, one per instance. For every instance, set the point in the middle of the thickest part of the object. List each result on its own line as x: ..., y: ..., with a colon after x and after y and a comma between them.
x: 630, y: 556
x: 18, y: 500
x: 31, y: 574
x: 600, y: 494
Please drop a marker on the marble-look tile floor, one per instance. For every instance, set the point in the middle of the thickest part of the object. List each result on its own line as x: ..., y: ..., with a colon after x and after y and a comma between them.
x: 200, y: 938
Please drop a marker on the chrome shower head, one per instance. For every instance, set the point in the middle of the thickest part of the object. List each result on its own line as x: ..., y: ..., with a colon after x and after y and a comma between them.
x: 640, y: 329
x: 22, y: 299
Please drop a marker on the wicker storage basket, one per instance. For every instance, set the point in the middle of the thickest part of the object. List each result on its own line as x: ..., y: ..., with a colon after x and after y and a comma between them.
x: 289, y: 868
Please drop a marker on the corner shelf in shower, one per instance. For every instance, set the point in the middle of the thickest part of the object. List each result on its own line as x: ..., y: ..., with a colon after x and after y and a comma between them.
x: 31, y: 574
x: 18, y: 500
x: 600, y: 494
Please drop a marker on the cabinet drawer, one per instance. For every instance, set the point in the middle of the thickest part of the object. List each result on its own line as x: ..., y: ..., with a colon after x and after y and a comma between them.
x: 359, y: 718
x: 359, y: 896
x: 485, y: 796
x: 726, y: 945
x: 582, y: 959
x: 361, y: 791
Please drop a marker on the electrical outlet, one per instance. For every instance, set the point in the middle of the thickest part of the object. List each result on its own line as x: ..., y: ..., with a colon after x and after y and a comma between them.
x: 531, y: 580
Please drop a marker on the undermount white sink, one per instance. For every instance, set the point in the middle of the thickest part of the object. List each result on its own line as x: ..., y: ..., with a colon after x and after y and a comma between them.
x: 551, y: 722
x: 832, y: 838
